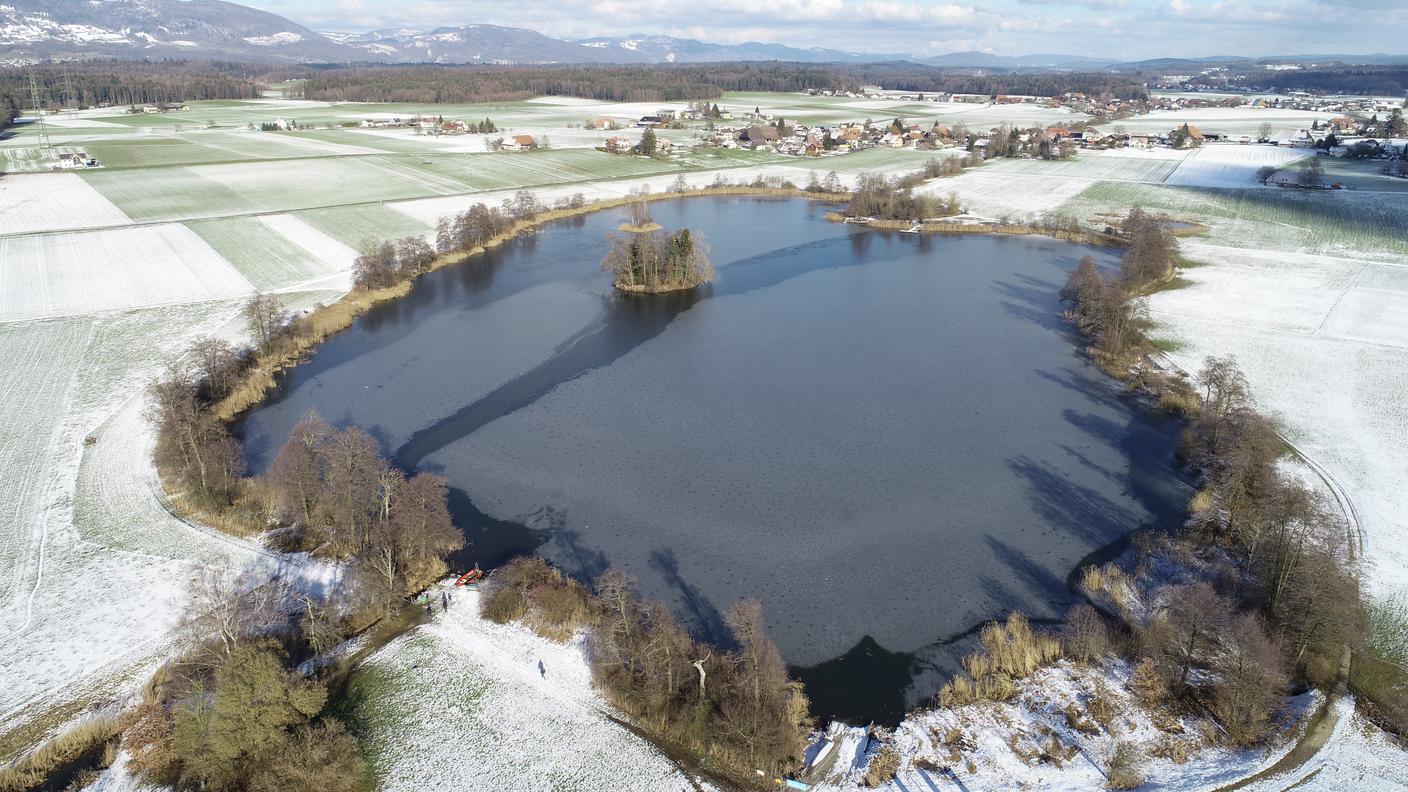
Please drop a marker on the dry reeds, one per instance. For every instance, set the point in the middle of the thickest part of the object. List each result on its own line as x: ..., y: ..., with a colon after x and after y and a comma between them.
x: 882, y: 767
x: 1011, y: 651
x: 1112, y: 582
x: 1202, y: 501
x: 32, y: 769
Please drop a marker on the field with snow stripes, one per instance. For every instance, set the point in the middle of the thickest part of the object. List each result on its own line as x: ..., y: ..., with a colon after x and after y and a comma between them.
x: 1091, y: 165
x: 1330, y: 222
x: 353, y: 225
x: 87, y: 271
x: 1229, y: 165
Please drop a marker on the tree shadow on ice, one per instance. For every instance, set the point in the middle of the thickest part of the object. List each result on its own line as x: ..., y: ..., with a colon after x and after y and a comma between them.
x: 705, y: 621
x: 1097, y: 427
x: 1038, y: 583
x: 1062, y: 503
x: 1032, y: 300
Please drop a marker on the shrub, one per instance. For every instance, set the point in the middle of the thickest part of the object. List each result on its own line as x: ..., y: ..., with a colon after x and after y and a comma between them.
x: 1126, y: 767
x: 1148, y: 684
x: 547, y: 602
x: 882, y: 767
x: 1085, y: 636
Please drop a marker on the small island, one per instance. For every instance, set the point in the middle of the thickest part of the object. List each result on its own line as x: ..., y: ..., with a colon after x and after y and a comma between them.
x: 658, y: 261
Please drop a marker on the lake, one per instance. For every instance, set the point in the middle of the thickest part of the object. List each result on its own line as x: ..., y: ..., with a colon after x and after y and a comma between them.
x: 887, y: 438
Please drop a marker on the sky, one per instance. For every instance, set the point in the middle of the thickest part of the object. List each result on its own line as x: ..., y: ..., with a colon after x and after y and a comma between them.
x: 1121, y: 29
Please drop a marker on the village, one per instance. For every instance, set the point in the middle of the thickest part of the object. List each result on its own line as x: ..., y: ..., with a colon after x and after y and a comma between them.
x: 1357, y: 132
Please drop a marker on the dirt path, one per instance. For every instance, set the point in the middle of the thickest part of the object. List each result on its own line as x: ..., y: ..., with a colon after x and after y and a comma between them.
x: 1317, y: 733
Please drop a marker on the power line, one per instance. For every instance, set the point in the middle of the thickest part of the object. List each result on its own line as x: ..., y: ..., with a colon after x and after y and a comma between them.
x: 39, y: 111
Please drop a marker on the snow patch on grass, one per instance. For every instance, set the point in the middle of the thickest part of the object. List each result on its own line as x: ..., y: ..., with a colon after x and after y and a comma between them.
x: 459, y: 703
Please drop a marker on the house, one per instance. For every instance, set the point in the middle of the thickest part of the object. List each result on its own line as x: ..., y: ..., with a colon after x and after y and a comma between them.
x: 665, y: 115
x: 619, y: 145
x: 650, y: 121
x: 603, y: 123
x: 519, y: 143
x: 1284, y: 178
x: 760, y: 134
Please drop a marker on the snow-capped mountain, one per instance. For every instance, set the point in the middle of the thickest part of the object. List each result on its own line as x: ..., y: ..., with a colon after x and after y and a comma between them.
x: 668, y: 49
x: 479, y: 44
x: 158, y: 29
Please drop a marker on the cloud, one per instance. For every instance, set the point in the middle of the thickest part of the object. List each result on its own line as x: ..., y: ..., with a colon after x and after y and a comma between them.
x: 1132, y: 29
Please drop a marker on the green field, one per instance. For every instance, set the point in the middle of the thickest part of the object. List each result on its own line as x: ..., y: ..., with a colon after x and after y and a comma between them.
x: 1361, y: 225
x: 263, y: 256
x: 223, y: 189
x: 353, y: 225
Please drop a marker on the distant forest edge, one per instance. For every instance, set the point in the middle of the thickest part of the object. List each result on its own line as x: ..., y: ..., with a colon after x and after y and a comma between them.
x: 133, y: 82
x: 650, y: 83
x: 1368, y: 80
x: 118, y: 82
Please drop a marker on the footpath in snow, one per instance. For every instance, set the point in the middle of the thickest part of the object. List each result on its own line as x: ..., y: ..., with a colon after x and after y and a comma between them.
x: 463, y: 703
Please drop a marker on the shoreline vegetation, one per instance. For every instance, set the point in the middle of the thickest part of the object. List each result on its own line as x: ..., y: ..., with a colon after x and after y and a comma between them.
x: 1264, y: 583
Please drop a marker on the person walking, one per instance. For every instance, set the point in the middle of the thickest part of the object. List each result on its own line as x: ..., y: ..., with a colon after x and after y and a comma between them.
x: 542, y: 670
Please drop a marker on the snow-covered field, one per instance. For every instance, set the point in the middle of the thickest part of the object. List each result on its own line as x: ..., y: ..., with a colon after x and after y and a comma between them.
x: 459, y: 703
x: 1324, y: 342
x: 998, y: 192
x: 47, y: 275
x: 52, y: 202
x: 1229, y: 165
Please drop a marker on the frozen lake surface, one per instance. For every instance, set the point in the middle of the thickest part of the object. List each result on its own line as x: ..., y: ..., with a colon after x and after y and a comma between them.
x: 887, y: 438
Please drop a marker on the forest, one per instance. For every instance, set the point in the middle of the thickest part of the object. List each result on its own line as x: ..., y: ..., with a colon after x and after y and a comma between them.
x: 116, y: 82
x: 906, y: 76
x: 1354, y: 80
x: 458, y: 84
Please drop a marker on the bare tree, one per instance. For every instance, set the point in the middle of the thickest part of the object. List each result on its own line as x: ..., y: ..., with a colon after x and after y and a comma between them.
x: 1252, y: 680
x: 265, y: 318
x: 217, y: 363
x: 225, y: 609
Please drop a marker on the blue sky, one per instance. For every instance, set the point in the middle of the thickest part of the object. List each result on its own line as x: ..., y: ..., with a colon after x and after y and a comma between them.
x: 1124, y: 29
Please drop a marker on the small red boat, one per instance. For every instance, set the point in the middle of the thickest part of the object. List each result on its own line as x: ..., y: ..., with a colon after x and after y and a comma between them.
x: 470, y: 578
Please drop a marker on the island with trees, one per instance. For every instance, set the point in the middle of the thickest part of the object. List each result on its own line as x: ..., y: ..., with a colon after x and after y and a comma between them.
x: 658, y: 261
